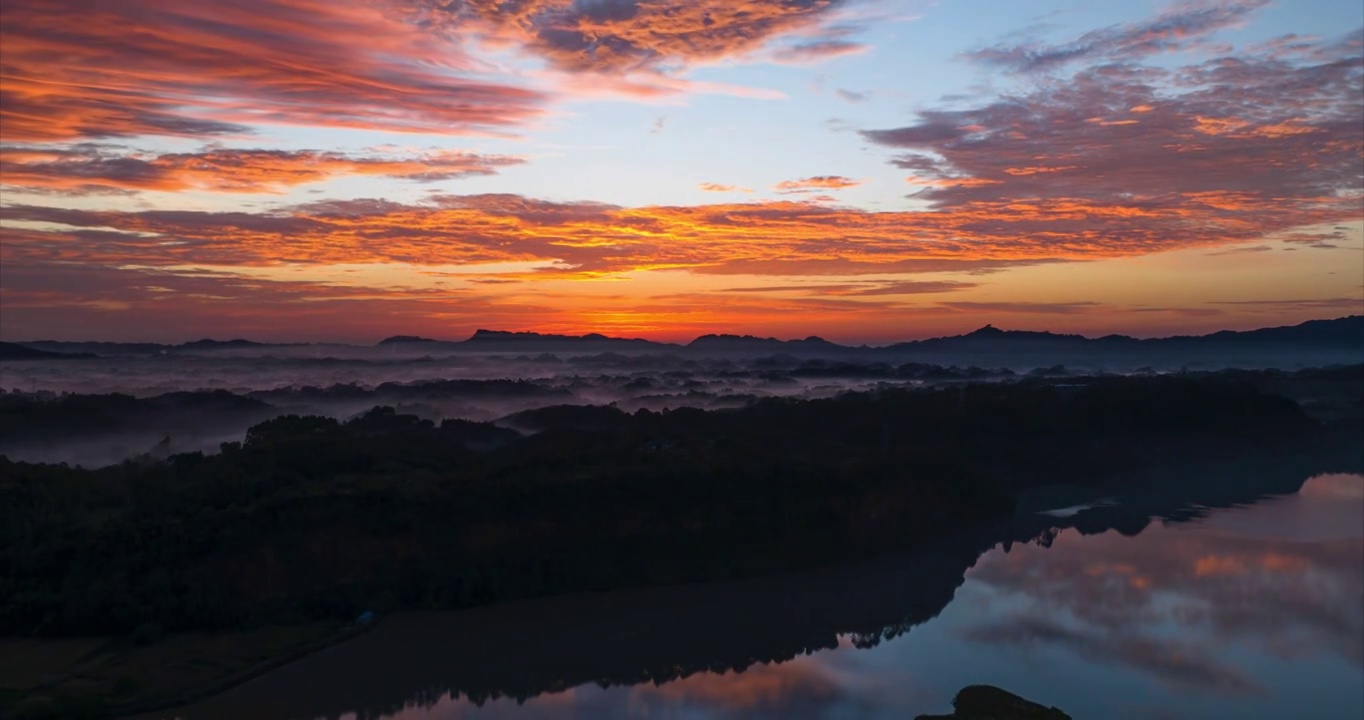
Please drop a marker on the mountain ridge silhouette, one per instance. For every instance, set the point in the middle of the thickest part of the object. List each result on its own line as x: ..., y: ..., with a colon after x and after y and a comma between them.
x: 1345, y: 333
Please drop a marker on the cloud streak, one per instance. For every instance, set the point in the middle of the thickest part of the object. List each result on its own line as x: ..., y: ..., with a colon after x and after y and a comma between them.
x: 587, y: 239
x: 592, y: 239
x: 76, y: 69
x: 896, y: 287
x: 95, y: 168
x: 722, y: 188
x: 818, y: 51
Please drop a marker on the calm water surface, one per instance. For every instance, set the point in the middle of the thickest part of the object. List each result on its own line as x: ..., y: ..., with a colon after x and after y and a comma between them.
x: 1255, y: 610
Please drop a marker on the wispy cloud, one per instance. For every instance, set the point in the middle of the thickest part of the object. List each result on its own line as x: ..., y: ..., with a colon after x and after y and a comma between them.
x: 1336, y: 304
x: 816, y: 183
x: 1243, y: 250
x: 1026, y: 308
x: 818, y: 51
x: 1182, y: 27
x: 889, y: 287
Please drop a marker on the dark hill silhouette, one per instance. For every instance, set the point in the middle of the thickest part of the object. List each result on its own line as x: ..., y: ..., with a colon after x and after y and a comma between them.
x: 1316, y: 342
x: 210, y: 344
x: 14, y: 351
x: 1345, y: 332
x: 501, y: 341
x: 723, y: 345
x: 403, y: 339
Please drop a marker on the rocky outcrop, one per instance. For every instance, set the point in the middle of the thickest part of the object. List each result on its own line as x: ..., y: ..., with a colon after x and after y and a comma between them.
x: 987, y: 702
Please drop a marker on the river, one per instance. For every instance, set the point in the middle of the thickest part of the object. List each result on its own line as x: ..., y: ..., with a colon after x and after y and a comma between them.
x: 1244, y: 605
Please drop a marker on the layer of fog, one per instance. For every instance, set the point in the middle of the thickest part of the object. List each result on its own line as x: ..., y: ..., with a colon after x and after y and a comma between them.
x: 342, y: 382
x: 469, y: 388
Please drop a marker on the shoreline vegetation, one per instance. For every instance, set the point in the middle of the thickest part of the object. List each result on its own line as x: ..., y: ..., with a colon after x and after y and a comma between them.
x: 310, y: 522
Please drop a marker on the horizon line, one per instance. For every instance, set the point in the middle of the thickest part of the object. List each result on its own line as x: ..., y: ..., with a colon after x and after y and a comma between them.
x: 604, y: 336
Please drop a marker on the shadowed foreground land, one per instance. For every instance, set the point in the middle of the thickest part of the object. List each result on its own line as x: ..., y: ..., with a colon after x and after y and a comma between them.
x: 311, y: 520
x: 651, y: 636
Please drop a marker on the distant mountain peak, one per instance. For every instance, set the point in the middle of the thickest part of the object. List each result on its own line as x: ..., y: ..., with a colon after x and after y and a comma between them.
x: 485, y: 334
x: 728, y: 338
x: 509, y: 337
x: 406, y: 339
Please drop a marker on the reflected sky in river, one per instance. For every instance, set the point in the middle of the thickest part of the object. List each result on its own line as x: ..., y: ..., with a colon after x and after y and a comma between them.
x: 1253, y: 611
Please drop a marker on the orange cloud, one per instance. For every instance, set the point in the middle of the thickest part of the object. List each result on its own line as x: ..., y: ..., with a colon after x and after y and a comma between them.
x: 95, y: 168
x: 156, y: 67
x: 593, y: 239
x: 818, y: 182
x: 1218, y: 126
x: 1218, y: 565
x: 717, y: 187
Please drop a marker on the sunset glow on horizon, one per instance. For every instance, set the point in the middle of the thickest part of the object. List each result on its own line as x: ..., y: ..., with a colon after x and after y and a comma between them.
x: 862, y: 170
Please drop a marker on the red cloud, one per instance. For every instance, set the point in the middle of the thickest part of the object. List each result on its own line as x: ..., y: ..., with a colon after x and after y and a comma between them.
x: 77, y: 69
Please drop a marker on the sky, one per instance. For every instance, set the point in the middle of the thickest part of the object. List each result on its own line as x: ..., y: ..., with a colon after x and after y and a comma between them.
x: 860, y: 170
